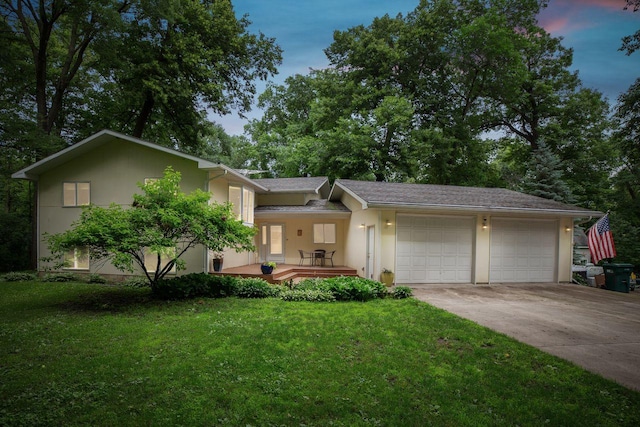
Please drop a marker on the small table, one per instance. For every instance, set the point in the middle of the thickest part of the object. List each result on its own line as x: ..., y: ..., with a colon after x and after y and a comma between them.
x: 318, y: 257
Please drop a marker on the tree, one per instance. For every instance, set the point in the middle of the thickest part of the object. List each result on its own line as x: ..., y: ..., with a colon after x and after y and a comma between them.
x: 544, y: 176
x: 182, y: 58
x: 163, y: 221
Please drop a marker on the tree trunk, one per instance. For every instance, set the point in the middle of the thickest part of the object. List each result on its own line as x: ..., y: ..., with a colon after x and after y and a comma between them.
x: 145, y: 113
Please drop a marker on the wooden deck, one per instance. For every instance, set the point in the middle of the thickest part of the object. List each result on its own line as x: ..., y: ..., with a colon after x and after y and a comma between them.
x: 285, y: 272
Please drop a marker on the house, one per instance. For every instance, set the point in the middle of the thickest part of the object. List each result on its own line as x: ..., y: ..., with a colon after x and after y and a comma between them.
x: 425, y: 233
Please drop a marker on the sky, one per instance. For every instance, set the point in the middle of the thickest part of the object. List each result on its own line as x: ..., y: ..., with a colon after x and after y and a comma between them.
x: 304, y: 28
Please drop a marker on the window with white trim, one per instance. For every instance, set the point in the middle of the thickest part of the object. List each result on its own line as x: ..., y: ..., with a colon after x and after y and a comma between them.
x: 151, y: 259
x: 77, y: 259
x: 76, y: 193
x: 324, y: 233
x: 242, y: 199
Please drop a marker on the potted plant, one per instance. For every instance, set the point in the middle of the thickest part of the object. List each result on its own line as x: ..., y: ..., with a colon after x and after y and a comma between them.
x: 267, y: 267
x: 217, y: 260
x: 387, y: 277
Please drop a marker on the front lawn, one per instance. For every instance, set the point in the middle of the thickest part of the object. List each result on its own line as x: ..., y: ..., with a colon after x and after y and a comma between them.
x: 78, y: 354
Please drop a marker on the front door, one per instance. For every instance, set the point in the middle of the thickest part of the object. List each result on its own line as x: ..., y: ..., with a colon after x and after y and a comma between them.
x: 272, y: 242
x: 370, y: 251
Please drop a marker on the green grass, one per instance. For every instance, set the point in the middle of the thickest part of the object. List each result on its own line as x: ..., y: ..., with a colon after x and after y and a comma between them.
x: 78, y: 354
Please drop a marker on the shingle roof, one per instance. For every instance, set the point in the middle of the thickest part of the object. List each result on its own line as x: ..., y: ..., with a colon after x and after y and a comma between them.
x: 449, y: 196
x: 293, y: 185
x: 322, y: 206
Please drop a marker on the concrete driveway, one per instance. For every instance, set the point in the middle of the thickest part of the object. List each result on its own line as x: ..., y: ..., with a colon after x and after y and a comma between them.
x: 594, y: 328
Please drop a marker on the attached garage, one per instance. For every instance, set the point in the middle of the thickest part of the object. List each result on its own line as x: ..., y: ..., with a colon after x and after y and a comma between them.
x: 523, y: 250
x: 434, y: 249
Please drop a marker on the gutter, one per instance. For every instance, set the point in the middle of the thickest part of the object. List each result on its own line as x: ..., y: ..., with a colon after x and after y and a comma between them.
x: 572, y: 213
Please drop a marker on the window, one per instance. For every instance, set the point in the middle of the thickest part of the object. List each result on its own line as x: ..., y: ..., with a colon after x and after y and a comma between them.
x: 77, y: 259
x: 76, y: 193
x: 324, y: 233
x: 242, y: 200
x: 151, y: 259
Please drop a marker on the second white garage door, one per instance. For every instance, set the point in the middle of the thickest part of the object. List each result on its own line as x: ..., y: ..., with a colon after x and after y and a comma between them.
x: 434, y: 249
x: 523, y: 251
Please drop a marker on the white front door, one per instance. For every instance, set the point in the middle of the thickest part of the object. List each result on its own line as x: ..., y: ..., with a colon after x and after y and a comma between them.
x: 371, y: 251
x: 272, y: 242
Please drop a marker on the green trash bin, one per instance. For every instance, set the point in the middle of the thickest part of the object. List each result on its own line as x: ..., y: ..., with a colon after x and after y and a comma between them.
x: 617, y: 276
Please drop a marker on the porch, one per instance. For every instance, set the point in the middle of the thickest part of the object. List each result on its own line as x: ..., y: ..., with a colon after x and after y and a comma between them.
x: 285, y: 272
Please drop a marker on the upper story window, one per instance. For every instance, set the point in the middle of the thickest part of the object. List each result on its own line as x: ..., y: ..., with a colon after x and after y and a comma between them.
x: 76, y: 193
x: 324, y: 233
x: 242, y: 200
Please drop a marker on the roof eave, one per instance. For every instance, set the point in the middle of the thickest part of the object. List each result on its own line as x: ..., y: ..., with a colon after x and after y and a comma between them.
x: 280, y: 214
x: 342, y: 188
x: 499, y: 209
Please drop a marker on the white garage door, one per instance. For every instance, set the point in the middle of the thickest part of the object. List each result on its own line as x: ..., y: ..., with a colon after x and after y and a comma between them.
x: 434, y: 249
x: 523, y: 251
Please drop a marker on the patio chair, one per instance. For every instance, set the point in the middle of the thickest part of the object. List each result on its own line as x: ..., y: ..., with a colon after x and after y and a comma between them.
x: 306, y: 255
x: 329, y: 256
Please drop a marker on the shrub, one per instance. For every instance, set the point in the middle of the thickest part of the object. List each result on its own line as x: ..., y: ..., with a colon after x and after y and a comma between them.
x: 60, y: 277
x: 96, y: 278
x: 196, y: 285
x: 256, y: 288
x: 314, y: 295
x: 346, y: 288
x: 136, y: 282
x: 401, y: 292
x: 19, y: 276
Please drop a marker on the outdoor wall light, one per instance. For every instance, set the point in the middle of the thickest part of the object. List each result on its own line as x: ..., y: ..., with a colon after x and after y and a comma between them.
x: 388, y: 222
x: 484, y: 223
x: 567, y: 229
x: 363, y: 225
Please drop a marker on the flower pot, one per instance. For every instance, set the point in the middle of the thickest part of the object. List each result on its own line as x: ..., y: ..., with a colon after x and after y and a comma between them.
x: 217, y: 264
x: 387, y: 278
x: 266, y: 269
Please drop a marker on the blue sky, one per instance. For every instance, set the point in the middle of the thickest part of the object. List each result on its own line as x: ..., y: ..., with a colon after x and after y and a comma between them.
x: 304, y: 28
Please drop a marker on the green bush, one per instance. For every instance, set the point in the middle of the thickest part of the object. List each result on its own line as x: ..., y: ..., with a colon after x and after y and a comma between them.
x: 401, y: 292
x: 196, y: 285
x: 256, y: 288
x: 96, y: 278
x: 136, y: 282
x: 346, y: 288
x: 60, y: 277
x: 314, y: 295
x: 19, y: 276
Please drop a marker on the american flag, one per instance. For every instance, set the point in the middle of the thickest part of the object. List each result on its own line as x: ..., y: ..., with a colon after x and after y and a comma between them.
x: 601, y: 241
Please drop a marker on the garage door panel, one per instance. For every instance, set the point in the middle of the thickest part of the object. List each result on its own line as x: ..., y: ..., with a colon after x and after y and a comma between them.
x: 523, y: 251
x: 440, y: 249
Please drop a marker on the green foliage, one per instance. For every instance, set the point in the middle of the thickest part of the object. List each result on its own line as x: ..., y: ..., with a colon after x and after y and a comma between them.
x: 96, y: 278
x: 346, y: 288
x: 196, y: 285
x: 401, y: 292
x: 312, y: 295
x: 136, y: 282
x: 544, y: 176
x: 256, y: 288
x: 60, y: 277
x: 164, y: 220
x: 18, y: 276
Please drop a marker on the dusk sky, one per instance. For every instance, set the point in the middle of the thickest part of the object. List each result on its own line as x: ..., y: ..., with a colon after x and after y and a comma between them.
x: 304, y: 28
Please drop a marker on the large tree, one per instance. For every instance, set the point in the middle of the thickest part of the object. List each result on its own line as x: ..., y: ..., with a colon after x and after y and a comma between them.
x: 163, y: 223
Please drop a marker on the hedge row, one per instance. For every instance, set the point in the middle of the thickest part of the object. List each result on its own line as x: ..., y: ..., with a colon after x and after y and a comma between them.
x: 332, y: 289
